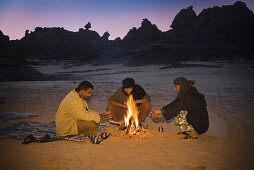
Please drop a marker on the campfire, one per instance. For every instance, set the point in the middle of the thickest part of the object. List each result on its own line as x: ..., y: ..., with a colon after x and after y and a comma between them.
x: 131, y: 122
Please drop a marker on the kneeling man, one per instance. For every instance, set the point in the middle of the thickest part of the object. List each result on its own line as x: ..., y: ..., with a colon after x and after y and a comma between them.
x: 189, y: 109
x: 117, y: 102
x: 73, y: 115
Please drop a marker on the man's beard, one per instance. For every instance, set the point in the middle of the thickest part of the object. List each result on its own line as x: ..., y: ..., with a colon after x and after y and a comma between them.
x: 83, y: 98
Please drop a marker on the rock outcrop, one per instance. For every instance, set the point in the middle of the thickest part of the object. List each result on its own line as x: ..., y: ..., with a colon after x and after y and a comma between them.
x: 185, y: 20
x: 146, y: 34
x: 216, y: 33
x: 58, y: 43
x: 13, y: 67
x: 227, y: 31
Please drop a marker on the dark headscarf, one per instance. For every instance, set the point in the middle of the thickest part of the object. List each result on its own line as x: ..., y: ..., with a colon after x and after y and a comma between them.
x: 185, y: 85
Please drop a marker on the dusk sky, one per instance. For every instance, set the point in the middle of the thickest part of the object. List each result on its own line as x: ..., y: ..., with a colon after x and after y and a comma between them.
x: 114, y: 16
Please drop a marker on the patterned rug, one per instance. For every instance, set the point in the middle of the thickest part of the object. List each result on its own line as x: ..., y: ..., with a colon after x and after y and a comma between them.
x: 37, y: 129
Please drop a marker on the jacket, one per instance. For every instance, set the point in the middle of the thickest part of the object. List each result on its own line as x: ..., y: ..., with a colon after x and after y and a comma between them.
x: 194, y: 102
x: 71, y: 109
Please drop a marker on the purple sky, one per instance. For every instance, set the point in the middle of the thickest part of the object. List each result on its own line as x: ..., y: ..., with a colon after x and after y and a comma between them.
x: 114, y: 16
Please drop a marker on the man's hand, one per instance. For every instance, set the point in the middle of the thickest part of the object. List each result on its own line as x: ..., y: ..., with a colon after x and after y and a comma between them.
x: 141, y: 101
x: 155, y: 114
x: 106, y: 115
x: 154, y: 111
x: 157, y: 117
x: 124, y: 106
x: 118, y: 104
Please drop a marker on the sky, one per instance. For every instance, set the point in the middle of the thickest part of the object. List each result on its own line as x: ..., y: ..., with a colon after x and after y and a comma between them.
x: 115, y: 16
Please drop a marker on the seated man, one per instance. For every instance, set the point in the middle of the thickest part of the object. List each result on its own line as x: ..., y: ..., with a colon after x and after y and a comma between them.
x: 73, y: 115
x: 189, y: 109
x: 117, y: 102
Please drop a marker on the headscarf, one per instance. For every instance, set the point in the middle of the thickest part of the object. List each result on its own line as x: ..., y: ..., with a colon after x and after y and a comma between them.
x: 185, y: 85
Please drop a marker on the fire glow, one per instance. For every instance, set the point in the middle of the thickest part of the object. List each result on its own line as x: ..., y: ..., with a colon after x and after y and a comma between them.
x: 131, y: 122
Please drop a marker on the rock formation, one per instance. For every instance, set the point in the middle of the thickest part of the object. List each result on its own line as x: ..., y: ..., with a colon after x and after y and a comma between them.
x: 216, y: 33
x: 58, y: 43
x: 13, y: 67
x: 144, y: 35
x: 105, y: 35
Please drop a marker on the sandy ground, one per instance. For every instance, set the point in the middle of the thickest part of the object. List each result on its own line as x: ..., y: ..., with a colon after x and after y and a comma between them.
x: 227, y: 144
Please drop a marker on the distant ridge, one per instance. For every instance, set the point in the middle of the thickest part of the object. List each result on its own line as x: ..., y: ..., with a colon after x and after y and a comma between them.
x: 218, y: 33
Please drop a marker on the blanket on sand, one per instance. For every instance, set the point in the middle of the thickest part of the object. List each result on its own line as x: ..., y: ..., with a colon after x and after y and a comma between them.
x: 39, y: 129
x: 23, y: 129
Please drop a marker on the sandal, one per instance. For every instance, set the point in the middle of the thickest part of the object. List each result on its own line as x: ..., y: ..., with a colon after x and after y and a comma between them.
x: 45, y: 138
x: 29, y: 139
x: 190, y: 137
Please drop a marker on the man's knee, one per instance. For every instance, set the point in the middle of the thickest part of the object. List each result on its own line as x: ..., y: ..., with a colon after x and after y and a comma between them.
x: 94, y: 125
x: 91, y: 124
x: 84, y: 126
x: 109, y: 107
x: 146, y: 107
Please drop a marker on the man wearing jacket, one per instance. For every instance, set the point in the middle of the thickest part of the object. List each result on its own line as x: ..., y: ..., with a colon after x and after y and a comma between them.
x: 73, y: 115
x: 117, y: 102
x: 189, y: 109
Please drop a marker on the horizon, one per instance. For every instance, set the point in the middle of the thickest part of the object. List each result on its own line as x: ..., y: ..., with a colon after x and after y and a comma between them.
x: 113, y: 16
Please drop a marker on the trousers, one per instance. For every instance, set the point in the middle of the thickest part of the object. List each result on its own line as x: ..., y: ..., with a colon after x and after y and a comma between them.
x: 86, y: 127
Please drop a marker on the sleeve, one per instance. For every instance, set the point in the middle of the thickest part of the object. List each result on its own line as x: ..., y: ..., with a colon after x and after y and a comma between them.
x: 79, y: 112
x: 139, y: 93
x: 171, y: 110
x: 147, y: 97
x: 115, y: 97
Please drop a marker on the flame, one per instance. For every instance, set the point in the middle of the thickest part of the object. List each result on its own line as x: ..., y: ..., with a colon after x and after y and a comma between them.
x: 132, y: 112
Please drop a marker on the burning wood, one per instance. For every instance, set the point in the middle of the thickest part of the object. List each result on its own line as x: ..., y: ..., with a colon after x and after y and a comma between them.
x: 131, y: 122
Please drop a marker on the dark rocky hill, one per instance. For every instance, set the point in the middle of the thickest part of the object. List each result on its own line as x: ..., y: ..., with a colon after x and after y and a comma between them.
x: 143, y: 36
x: 58, y: 43
x: 216, y: 33
x: 13, y: 67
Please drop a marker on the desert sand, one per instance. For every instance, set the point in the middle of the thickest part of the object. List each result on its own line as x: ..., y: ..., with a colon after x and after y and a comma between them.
x: 227, y: 144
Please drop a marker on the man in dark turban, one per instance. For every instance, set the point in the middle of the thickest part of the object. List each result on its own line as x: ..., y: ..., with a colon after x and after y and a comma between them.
x: 189, y: 109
